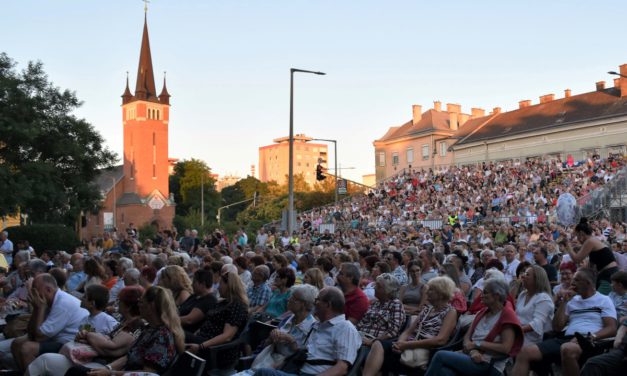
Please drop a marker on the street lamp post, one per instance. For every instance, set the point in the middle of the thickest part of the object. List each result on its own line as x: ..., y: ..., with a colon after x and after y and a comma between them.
x: 335, y: 156
x: 114, y: 203
x: 617, y: 74
x: 290, y: 202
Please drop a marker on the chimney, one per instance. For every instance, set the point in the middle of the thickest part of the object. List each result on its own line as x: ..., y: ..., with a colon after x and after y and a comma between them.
x: 451, y: 107
x: 547, y: 98
x: 477, y: 113
x: 437, y: 105
x: 453, y: 121
x: 567, y: 93
x: 524, y: 103
x: 623, y: 80
x: 417, y: 113
x: 496, y: 110
x: 600, y: 85
x: 617, y: 83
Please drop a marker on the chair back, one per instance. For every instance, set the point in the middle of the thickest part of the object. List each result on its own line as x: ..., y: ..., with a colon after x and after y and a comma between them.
x: 186, y: 364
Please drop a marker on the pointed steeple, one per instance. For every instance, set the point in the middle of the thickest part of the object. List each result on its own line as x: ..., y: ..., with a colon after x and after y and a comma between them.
x: 127, y: 96
x: 164, y: 97
x: 145, y: 87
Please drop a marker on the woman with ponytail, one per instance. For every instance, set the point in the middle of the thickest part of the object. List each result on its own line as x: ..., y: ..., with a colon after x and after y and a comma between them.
x: 601, y: 256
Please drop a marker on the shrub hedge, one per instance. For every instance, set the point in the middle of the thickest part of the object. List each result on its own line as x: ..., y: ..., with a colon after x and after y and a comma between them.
x: 45, y: 237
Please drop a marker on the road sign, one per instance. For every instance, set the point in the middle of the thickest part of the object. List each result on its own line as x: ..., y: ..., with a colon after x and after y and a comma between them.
x: 341, y: 186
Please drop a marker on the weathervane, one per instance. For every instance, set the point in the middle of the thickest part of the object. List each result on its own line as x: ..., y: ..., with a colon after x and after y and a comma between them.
x: 145, y: 5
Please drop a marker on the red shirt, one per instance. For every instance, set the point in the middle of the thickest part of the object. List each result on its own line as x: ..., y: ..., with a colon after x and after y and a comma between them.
x: 356, y: 304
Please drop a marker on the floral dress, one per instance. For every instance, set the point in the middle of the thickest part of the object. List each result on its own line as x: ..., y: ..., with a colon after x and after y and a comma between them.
x: 155, y: 348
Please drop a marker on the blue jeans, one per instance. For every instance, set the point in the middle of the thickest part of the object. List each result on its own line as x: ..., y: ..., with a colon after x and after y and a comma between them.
x: 454, y: 363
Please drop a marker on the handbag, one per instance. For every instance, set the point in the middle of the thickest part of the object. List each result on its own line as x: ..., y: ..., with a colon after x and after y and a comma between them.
x: 267, y: 358
x: 414, y: 358
x: 78, y: 353
x: 294, y: 362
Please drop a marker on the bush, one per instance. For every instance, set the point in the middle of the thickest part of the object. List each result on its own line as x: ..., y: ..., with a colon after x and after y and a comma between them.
x: 147, y: 231
x: 45, y: 237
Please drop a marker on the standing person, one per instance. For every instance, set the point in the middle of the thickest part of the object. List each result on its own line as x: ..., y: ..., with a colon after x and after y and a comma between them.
x: 540, y: 256
x: 601, y: 256
x: 6, y: 247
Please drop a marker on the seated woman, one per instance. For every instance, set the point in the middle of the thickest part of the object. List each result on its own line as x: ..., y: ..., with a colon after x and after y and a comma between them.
x: 495, y: 332
x: 277, y: 305
x: 157, y: 345
x: 192, y: 311
x: 315, y: 278
x: 413, y: 294
x: 432, y: 328
x: 534, y: 306
x: 108, y: 347
x: 224, y: 322
x: 385, y: 316
x: 175, y: 279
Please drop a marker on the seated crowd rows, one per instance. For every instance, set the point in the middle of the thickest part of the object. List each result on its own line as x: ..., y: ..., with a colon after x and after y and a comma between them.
x: 381, y: 294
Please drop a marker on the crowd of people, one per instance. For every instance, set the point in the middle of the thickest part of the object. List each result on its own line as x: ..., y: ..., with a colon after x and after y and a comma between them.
x: 470, y: 256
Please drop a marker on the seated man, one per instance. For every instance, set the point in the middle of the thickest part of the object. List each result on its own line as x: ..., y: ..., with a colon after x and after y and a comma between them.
x: 259, y: 293
x: 587, y: 312
x: 55, y: 320
x: 333, y: 342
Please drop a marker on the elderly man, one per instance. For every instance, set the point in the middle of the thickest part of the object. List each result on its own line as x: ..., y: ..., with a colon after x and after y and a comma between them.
x: 6, y: 247
x: 356, y: 300
x: 333, y: 342
x: 55, y: 320
x: 510, y: 263
x: 77, y: 276
x: 587, y: 312
x: 123, y: 265
x: 259, y: 293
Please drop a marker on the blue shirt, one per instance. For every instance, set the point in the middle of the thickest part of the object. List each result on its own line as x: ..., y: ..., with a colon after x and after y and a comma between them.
x: 75, y: 280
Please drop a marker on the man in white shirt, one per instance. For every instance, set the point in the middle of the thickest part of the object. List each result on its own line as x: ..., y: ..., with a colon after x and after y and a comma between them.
x: 510, y: 263
x: 6, y: 247
x: 55, y: 320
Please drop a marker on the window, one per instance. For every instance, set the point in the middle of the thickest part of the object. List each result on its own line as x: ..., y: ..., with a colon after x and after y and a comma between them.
x: 381, y: 159
x: 425, y: 152
x: 443, y: 148
x: 410, y: 155
x: 395, y: 158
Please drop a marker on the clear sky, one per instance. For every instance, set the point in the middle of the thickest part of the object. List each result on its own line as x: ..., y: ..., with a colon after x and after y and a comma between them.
x: 228, y: 62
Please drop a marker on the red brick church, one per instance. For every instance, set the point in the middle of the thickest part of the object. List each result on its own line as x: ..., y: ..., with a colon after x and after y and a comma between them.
x: 137, y: 192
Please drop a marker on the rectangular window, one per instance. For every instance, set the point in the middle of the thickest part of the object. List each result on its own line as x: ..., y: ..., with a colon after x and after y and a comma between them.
x: 425, y: 152
x: 410, y: 155
x: 443, y: 148
x: 381, y: 159
x: 394, y: 158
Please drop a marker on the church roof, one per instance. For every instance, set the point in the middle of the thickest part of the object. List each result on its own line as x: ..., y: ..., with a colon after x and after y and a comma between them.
x: 105, y: 180
x: 145, y: 87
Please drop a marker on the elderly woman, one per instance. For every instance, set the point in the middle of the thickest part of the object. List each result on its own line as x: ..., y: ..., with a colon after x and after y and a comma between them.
x: 567, y: 271
x: 432, y: 328
x: 277, y: 305
x: 534, y: 306
x: 385, y: 316
x: 413, y: 294
x: 494, y: 333
x: 108, y: 347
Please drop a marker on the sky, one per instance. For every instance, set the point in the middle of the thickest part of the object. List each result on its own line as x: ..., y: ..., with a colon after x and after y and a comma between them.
x: 228, y: 63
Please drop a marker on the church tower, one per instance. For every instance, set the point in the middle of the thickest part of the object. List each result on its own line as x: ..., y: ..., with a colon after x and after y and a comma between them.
x: 145, y: 118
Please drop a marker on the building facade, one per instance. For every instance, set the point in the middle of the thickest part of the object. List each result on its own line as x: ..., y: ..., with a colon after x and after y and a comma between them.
x: 592, y: 123
x: 137, y: 192
x: 274, y: 159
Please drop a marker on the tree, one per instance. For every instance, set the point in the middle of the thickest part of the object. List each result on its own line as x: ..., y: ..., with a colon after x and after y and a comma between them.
x: 49, y: 157
x: 186, y: 184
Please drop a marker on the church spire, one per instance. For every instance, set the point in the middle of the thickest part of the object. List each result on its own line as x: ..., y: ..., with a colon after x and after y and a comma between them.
x: 145, y: 87
x: 164, y: 97
x: 127, y: 96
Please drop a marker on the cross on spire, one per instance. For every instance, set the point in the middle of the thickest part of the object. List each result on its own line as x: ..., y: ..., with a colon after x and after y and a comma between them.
x: 146, y: 5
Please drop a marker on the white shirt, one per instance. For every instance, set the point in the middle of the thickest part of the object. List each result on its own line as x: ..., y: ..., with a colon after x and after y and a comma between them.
x: 538, y: 313
x: 66, y: 314
x: 586, y: 315
x: 510, y: 269
x: 101, y: 323
x: 7, y: 247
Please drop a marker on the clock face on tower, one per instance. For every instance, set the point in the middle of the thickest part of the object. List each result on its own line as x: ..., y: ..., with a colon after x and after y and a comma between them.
x: 156, y: 203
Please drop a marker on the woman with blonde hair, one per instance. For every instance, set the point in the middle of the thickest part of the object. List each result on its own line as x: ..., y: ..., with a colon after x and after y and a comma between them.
x: 314, y: 277
x: 174, y: 278
x: 534, y: 306
x: 223, y: 323
x: 158, y: 344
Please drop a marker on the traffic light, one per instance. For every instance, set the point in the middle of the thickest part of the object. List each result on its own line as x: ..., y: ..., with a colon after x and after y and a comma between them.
x: 319, y: 175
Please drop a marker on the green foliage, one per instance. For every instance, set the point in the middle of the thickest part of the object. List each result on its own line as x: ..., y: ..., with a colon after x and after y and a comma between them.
x: 45, y: 237
x: 147, y: 231
x: 186, y: 183
x: 49, y: 156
